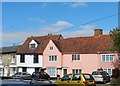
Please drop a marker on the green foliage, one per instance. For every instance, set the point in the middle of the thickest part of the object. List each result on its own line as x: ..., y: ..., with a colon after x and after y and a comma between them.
x: 115, y: 36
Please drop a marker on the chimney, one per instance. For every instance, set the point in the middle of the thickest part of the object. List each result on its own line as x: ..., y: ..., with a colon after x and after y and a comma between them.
x: 98, y: 32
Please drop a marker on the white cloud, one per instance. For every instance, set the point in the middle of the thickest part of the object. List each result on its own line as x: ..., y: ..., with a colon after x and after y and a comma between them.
x: 77, y: 4
x: 37, y: 19
x: 62, y: 24
x: 88, y: 27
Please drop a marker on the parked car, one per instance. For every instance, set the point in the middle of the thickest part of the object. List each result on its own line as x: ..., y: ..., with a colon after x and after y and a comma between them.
x: 83, y: 79
x: 101, y: 76
x: 22, y: 75
x: 40, y: 75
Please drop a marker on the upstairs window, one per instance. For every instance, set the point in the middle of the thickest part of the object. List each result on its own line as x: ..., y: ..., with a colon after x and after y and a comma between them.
x: 36, y: 60
x: 51, y: 47
x: 53, y: 58
x: 22, y: 58
x: 32, y: 45
x: 107, y: 58
x: 76, y: 57
x: 13, y: 58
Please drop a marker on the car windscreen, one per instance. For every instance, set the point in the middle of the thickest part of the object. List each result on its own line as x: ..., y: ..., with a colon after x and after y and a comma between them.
x: 88, y: 77
x: 97, y: 73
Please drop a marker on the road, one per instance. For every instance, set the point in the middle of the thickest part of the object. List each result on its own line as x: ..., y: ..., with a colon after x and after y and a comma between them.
x: 107, y: 84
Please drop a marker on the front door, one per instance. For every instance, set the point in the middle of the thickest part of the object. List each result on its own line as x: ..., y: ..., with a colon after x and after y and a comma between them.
x: 64, y: 72
x: 5, y: 70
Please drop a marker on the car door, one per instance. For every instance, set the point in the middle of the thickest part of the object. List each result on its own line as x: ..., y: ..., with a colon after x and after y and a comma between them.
x: 76, y: 80
x: 64, y: 80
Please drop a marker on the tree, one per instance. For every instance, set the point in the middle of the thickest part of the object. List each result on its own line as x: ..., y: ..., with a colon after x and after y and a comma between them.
x: 115, y: 36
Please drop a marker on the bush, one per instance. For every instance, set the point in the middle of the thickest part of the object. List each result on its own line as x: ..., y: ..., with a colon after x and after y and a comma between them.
x: 116, y: 73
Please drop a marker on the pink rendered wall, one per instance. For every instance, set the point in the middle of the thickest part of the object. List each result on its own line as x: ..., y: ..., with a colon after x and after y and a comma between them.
x: 47, y: 52
x: 87, y: 62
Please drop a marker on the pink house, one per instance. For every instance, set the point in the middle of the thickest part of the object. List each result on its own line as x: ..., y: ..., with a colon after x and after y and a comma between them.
x: 60, y: 56
x: 80, y: 54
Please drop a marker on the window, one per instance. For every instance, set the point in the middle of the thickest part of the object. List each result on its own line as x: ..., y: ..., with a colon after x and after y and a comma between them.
x: 107, y: 58
x: 13, y: 58
x: 75, y: 71
x: 51, y: 48
x: 76, y: 57
x: 22, y: 58
x: 76, y: 77
x: 1, y: 71
x: 66, y: 77
x: 12, y: 70
x: 36, y: 60
x: 53, y: 58
x: 0, y: 58
x: 24, y: 69
x: 32, y: 45
x: 52, y: 71
x: 119, y: 57
x: 108, y: 70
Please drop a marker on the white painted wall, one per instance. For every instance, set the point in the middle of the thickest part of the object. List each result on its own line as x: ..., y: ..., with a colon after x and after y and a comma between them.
x: 29, y: 61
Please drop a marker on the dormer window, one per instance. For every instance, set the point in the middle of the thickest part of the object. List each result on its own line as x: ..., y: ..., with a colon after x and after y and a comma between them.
x: 33, y: 44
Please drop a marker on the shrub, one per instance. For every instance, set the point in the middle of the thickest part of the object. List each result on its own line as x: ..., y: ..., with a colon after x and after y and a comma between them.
x: 116, y: 73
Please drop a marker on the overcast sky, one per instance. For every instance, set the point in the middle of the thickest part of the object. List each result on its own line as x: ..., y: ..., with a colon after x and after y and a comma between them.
x: 23, y: 19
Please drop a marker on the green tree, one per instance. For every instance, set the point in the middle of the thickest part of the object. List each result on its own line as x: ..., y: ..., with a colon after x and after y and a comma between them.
x: 115, y: 36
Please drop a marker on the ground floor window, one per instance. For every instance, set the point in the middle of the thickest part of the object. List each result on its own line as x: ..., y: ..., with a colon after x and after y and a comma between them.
x: 75, y: 71
x: 52, y: 71
x: 24, y: 69
x: 108, y: 70
x: 12, y: 70
x: 37, y: 69
x: 0, y: 71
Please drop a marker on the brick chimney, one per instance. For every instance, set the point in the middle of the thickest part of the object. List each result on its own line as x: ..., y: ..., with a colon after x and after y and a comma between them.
x: 98, y: 32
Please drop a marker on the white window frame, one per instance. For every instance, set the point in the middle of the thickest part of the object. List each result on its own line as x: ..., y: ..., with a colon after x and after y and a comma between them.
x: 75, y: 57
x: 75, y: 71
x: 107, y: 70
x: 12, y: 71
x: 105, y: 58
x: 51, y: 48
x: 52, y: 71
x: 12, y: 58
x: 52, y: 58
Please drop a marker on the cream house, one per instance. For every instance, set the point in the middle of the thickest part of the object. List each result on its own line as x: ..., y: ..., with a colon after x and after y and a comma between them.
x: 8, y: 60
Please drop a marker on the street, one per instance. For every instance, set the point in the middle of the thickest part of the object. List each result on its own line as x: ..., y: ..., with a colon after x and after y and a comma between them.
x: 100, y: 84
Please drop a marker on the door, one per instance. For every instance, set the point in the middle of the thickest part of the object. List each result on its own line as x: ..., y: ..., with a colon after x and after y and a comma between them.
x: 64, y: 72
x: 5, y: 70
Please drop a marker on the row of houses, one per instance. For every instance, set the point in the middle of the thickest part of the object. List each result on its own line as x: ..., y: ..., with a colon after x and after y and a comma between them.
x: 60, y: 56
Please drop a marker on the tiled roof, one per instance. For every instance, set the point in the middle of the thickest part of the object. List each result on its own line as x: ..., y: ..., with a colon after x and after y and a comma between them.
x: 86, y: 45
x: 42, y: 43
x: 10, y: 49
x: 82, y: 45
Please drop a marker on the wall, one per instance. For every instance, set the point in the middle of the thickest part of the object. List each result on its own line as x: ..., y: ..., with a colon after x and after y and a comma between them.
x: 87, y: 62
x: 29, y: 61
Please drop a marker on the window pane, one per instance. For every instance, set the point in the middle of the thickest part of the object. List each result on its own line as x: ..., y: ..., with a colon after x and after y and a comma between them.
x: 111, y: 58
x: 103, y: 57
x: 107, y: 58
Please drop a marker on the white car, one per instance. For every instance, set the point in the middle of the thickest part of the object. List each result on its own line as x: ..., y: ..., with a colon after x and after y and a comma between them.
x: 101, y: 76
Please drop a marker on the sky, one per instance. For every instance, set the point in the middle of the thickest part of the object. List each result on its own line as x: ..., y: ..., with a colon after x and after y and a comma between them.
x: 70, y: 19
